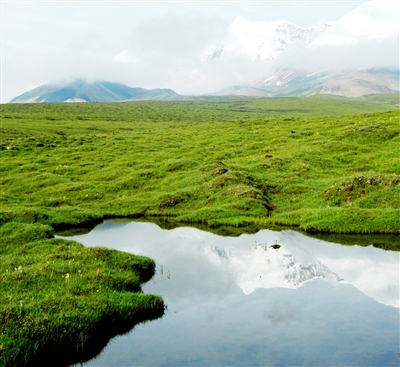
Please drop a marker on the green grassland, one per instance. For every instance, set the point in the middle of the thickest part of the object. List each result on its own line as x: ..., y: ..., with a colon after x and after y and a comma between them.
x: 320, y: 164
x: 213, y: 162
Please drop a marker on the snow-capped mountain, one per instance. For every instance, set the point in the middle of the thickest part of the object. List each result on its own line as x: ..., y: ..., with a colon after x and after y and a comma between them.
x: 278, y: 268
x: 261, y: 40
x: 357, y: 55
x: 250, y: 263
x: 297, y: 262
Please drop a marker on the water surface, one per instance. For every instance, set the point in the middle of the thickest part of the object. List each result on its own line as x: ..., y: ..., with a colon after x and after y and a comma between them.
x: 235, y: 301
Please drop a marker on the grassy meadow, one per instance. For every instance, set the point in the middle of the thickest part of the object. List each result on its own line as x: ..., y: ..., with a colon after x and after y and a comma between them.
x: 236, y: 162
x: 320, y: 164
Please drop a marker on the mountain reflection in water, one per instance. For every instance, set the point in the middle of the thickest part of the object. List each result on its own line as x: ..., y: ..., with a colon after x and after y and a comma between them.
x: 230, y: 299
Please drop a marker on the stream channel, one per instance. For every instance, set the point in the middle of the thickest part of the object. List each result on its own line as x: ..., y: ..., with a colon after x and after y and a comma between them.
x: 236, y: 301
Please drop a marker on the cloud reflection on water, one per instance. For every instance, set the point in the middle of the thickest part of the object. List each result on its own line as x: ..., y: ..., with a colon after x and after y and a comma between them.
x: 217, y: 264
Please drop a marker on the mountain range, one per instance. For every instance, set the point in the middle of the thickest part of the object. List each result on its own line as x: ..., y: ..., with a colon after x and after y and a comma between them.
x: 283, y: 83
x: 349, y: 83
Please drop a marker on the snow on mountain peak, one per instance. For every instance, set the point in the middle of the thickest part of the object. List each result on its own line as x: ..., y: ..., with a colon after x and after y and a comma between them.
x: 257, y: 40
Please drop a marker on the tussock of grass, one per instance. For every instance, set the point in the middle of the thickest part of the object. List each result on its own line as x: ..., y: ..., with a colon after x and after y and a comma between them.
x: 343, y: 220
x: 370, y: 191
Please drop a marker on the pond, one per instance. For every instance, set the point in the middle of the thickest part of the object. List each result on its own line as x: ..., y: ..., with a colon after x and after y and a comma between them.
x: 237, y: 301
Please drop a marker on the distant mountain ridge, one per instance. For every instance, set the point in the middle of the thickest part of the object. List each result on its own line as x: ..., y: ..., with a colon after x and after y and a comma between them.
x: 80, y: 90
x: 290, y: 82
x: 283, y: 83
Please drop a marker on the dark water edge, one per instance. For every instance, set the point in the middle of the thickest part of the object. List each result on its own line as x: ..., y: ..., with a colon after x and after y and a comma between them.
x: 384, y: 241
x: 67, y: 355
x: 389, y: 242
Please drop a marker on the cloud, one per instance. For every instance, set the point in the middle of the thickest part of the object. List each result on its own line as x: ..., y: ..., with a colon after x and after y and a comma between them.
x: 175, y: 36
x: 366, y: 37
x: 379, y: 53
x: 284, y: 313
x: 167, y: 52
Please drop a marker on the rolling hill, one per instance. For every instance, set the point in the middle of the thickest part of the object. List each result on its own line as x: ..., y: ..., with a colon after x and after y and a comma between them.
x: 80, y: 90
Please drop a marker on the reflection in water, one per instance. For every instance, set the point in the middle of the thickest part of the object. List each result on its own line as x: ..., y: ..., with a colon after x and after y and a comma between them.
x: 238, y: 301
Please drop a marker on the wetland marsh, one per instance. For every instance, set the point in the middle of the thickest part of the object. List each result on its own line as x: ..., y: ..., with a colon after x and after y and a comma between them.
x: 317, y: 164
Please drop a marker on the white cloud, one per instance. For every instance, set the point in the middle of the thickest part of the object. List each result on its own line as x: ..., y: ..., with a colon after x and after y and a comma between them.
x: 366, y: 37
x: 382, y: 53
x: 127, y: 57
x: 370, y: 21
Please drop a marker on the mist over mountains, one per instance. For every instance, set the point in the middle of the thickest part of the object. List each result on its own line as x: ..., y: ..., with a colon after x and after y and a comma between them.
x: 356, y: 55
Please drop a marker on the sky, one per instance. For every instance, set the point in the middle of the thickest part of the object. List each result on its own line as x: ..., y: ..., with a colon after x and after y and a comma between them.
x: 152, y: 44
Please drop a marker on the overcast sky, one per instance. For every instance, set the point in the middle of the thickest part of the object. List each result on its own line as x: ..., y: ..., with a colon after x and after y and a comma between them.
x: 51, y: 41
